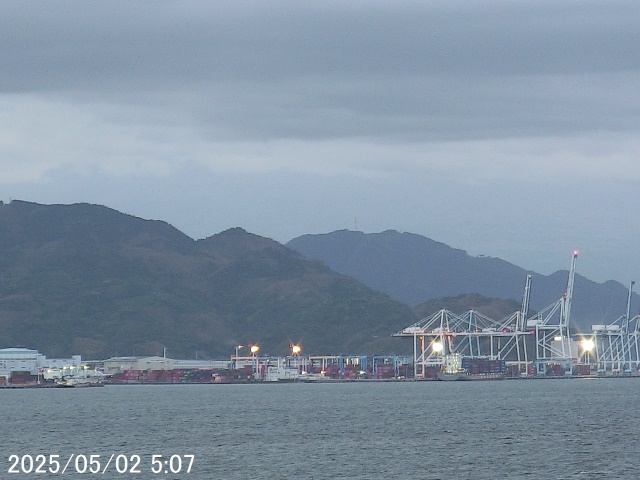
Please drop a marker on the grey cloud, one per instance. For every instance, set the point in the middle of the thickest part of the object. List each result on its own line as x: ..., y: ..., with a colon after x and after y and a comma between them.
x: 227, y: 40
x: 501, y: 126
x: 392, y: 71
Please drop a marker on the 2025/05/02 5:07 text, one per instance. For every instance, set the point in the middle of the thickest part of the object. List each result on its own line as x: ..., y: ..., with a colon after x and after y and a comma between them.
x: 100, y: 464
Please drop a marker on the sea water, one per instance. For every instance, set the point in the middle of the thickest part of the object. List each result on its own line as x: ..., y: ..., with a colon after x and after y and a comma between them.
x: 533, y: 429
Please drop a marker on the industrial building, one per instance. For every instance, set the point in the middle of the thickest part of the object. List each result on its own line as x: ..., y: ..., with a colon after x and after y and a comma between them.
x: 23, y: 363
x: 116, y: 365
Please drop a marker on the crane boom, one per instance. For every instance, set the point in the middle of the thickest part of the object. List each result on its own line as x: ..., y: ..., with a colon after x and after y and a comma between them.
x: 524, y: 311
x: 566, y: 311
x: 627, y: 317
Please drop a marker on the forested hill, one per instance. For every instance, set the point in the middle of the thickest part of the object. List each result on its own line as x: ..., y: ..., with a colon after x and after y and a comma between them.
x: 86, y: 279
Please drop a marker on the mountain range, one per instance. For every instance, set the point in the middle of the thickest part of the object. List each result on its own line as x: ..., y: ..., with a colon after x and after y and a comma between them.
x: 86, y: 279
x: 413, y: 269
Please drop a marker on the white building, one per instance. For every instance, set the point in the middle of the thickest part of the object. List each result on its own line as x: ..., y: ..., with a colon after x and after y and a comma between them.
x: 20, y: 360
x: 120, y: 364
x: 32, y: 361
x: 74, y: 362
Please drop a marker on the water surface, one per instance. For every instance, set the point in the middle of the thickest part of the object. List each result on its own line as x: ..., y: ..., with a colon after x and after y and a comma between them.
x: 405, y: 430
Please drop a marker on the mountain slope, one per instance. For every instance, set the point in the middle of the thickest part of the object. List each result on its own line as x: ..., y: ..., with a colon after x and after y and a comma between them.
x: 414, y: 269
x: 492, y: 307
x: 90, y: 280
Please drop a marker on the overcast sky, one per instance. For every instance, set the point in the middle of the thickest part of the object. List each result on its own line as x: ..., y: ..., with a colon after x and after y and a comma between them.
x: 508, y: 129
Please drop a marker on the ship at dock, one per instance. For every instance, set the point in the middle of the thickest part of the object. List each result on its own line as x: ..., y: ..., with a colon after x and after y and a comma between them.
x: 459, y: 368
x: 82, y: 378
x: 452, y: 368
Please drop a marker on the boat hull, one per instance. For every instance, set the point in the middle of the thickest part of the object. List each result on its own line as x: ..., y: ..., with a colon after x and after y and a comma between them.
x: 452, y: 377
x: 449, y: 377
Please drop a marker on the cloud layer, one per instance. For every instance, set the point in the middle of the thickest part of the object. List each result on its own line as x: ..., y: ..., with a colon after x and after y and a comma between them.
x: 284, y: 117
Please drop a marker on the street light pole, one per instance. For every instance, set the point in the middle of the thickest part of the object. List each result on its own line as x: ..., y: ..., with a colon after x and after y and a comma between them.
x: 235, y: 360
x: 295, y: 351
x: 254, y: 352
x: 587, y: 346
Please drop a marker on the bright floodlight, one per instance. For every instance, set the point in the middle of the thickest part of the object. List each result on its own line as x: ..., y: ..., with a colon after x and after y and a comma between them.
x: 295, y: 349
x: 436, y: 347
x: 587, y: 344
x: 254, y: 348
x: 575, y: 253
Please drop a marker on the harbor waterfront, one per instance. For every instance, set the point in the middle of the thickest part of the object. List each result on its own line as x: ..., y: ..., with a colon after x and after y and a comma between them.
x: 584, y: 428
x: 446, y: 346
x: 294, y: 368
